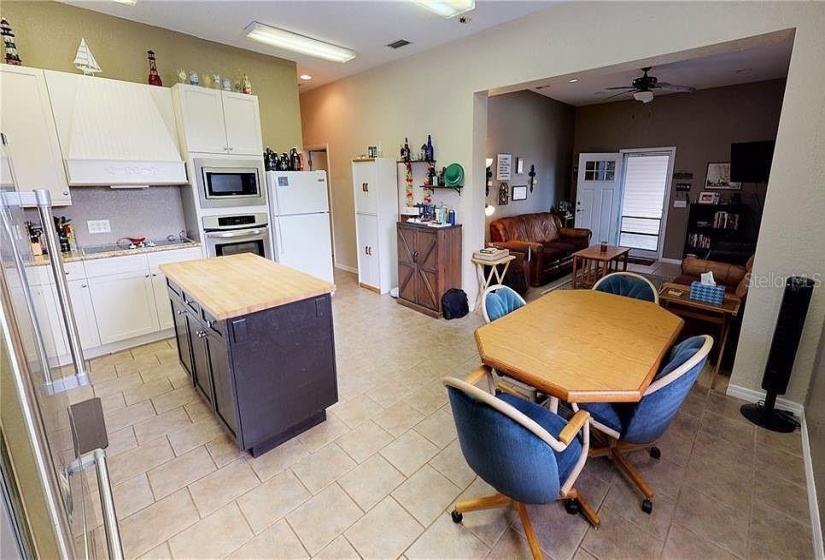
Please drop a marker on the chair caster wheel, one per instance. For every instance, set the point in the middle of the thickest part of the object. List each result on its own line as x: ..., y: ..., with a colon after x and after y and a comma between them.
x: 647, y: 507
x: 655, y: 452
x: 572, y: 507
x: 457, y: 516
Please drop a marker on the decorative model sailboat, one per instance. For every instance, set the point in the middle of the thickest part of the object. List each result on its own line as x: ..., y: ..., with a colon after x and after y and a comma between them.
x: 84, y: 60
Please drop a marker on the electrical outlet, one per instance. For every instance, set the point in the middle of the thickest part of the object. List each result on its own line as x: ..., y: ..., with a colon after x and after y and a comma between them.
x: 98, y: 226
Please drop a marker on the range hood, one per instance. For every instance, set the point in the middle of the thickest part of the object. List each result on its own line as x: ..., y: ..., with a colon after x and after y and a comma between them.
x: 115, y: 133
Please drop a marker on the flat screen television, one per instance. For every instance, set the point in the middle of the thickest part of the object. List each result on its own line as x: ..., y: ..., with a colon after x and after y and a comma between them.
x: 750, y: 162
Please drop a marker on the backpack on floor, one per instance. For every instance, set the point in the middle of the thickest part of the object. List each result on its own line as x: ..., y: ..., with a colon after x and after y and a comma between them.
x: 454, y: 304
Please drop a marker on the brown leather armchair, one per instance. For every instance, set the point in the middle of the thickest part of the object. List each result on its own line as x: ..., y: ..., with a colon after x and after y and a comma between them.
x: 546, y: 245
x: 735, y: 278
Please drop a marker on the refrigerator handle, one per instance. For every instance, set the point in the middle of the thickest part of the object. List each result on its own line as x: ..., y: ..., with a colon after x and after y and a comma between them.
x: 280, y: 239
x: 81, y: 376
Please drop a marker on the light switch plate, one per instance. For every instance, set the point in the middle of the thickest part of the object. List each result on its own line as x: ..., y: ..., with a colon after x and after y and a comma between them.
x: 98, y: 226
x: 680, y: 204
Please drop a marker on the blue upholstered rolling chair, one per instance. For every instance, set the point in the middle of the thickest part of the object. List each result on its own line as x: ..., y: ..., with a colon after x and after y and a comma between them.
x: 527, y: 453
x: 499, y: 300
x: 632, y: 426
x: 629, y: 285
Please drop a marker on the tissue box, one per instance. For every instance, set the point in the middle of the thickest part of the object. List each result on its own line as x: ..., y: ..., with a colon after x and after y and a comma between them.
x: 708, y: 294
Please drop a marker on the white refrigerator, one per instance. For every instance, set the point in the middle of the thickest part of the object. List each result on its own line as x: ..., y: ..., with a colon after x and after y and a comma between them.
x: 300, y: 227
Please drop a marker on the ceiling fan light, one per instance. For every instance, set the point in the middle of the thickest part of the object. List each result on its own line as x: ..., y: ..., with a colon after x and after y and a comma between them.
x: 297, y: 43
x: 643, y: 96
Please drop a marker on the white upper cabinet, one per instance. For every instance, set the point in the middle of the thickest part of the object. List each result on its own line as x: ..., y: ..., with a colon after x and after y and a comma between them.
x: 27, y: 122
x: 214, y: 121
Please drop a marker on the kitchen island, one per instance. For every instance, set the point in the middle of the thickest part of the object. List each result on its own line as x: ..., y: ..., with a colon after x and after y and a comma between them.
x: 256, y: 337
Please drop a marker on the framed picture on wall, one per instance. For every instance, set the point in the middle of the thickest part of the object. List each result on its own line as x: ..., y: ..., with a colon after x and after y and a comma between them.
x: 708, y: 197
x: 520, y: 193
x: 504, y: 167
x: 718, y: 178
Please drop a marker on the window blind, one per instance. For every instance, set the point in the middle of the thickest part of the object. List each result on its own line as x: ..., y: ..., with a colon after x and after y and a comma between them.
x: 643, y: 200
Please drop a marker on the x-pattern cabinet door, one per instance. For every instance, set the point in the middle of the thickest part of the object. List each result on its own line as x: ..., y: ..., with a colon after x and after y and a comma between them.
x: 427, y: 269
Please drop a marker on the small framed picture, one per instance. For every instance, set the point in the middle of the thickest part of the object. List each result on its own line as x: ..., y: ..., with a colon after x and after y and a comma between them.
x: 520, y: 193
x: 519, y: 165
x: 718, y: 178
x: 504, y: 165
x: 706, y: 197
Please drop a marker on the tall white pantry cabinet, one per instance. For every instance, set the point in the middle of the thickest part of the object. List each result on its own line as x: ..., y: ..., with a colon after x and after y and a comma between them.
x: 375, y: 194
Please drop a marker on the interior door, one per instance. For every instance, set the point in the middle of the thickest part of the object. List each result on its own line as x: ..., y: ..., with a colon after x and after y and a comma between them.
x: 644, y: 202
x: 598, y: 195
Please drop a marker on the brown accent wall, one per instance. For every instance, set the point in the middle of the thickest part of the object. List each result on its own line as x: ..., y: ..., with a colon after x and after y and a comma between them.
x: 540, y: 129
x: 815, y: 418
x: 702, y: 125
x: 48, y: 33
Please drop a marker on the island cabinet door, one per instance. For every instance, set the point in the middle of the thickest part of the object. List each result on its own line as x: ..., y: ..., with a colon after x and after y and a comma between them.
x: 182, y: 335
x: 200, y: 358
x: 222, y: 382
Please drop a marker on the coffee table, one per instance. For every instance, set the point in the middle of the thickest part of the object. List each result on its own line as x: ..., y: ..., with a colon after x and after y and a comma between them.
x: 591, y: 264
x: 676, y: 298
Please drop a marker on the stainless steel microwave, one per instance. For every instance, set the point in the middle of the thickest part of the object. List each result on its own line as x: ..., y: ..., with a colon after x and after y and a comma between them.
x: 230, y: 182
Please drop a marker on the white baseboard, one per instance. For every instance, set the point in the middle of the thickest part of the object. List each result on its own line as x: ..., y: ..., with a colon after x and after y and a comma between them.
x: 752, y: 395
x: 671, y: 261
x: 813, y: 504
x: 111, y: 348
x: 345, y: 267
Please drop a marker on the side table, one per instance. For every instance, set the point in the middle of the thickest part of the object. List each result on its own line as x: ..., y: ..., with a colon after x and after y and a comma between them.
x: 486, y: 282
x: 676, y: 298
x: 592, y: 263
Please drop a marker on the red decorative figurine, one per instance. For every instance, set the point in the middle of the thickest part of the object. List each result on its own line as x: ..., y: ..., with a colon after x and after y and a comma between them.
x: 154, y: 78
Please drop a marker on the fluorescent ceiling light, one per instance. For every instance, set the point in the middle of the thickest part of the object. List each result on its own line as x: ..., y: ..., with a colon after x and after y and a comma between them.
x: 297, y: 43
x: 448, y: 8
x: 643, y: 96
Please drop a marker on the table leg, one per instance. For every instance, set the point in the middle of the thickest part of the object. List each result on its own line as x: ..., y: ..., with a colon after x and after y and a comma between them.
x: 624, y: 262
x: 722, y: 343
x: 575, y: 265
x: 480, y: 277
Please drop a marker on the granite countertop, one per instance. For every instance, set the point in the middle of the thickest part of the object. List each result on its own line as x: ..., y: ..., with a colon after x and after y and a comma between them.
x: 237, y: 285
x: 74, y: 256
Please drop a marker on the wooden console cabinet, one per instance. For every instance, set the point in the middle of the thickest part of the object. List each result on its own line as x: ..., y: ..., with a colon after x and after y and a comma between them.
x: 267, y: 374
x: 429, y: 264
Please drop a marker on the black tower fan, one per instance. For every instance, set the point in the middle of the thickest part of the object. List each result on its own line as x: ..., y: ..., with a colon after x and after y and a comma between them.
x: 785, y: 342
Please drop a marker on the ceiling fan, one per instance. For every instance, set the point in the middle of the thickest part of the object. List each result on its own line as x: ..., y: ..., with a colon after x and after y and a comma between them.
x: 643, y: 87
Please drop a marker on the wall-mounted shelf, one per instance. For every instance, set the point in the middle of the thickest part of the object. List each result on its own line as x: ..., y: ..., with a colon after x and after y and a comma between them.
x: 417, y: 161
x: 431, y: 187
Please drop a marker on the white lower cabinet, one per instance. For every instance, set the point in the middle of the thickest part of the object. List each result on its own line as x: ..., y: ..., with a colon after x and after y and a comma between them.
x: 84, y: 313
x: 124, y: 306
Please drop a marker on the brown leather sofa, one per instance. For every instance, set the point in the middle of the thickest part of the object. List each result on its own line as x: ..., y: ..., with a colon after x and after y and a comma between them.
x: 546, y: 245
x: 735, y: 278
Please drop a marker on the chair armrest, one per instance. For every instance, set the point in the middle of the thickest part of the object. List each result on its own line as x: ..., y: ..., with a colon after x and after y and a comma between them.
x: 575, y: 232
x: 574, y: 425
x: 478, y: 374
x: 526, y: 247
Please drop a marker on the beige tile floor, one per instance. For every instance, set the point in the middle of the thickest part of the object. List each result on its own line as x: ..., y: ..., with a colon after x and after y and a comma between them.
x: 379, y: 477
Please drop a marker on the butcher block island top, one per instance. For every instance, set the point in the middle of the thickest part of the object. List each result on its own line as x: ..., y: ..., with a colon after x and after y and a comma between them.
x: 237, y: 285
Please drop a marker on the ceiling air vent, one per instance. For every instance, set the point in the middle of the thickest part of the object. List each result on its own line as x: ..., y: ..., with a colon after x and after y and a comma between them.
x: 398, y: 44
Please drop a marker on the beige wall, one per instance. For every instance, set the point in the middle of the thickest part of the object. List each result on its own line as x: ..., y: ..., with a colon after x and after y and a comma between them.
x: 398, y: 100
x: 702, y: 125
x: 815, y: 418
x: 539, y: 129
x: 48, y: 33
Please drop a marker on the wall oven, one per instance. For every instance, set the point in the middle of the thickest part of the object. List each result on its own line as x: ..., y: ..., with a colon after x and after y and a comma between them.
x: 229, y: 182
x: 230, y: 235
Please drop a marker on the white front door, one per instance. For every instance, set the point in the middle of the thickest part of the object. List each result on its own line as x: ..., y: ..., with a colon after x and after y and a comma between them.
x: 598, y: 196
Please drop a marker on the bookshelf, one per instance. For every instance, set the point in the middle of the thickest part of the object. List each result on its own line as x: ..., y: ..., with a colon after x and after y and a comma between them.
x: 720, y: 232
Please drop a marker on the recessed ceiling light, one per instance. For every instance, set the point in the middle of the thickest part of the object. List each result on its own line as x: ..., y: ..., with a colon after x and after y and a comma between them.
x: 306, y: 77
x: 130, y: 2
x: 744, y: 70
x: 573, y: 81
x: 447, y: 8
x: 297, y: 43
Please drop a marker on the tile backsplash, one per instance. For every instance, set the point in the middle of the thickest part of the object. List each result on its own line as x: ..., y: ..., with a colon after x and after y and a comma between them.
x: 153, y: 213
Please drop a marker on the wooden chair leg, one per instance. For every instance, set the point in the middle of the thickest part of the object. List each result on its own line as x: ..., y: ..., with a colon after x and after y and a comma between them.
x: 528, y: 530
x: 489, y: 502
x: 635, y: 476
x: 586, y: 509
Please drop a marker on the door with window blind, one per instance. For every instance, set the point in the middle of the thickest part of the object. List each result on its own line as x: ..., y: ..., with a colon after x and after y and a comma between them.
x: 644, y: 193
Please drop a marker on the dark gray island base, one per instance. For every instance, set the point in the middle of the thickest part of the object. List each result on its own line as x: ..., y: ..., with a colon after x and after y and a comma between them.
x: 267, y: 375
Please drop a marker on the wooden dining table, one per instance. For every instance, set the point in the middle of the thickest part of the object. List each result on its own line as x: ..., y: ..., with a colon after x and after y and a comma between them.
x: 582, y: 345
